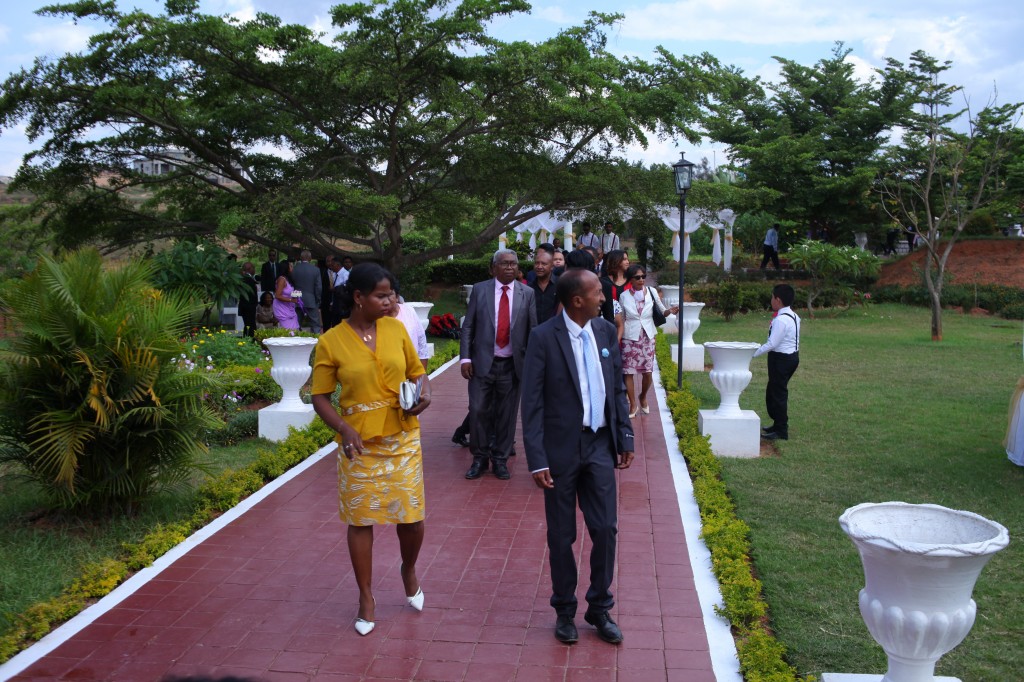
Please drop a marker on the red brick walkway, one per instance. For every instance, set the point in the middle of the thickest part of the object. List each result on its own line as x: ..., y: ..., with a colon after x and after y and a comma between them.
x: 271, y: 596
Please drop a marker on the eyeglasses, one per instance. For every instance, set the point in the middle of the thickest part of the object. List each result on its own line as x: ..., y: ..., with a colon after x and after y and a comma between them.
x: 507, y: 264
x: 639, y: 276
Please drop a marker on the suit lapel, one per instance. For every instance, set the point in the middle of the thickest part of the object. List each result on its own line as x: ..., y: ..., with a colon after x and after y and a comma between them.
x: 562, y: 334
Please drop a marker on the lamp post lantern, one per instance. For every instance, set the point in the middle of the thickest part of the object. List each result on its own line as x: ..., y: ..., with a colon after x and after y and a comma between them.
x: 683, y: 171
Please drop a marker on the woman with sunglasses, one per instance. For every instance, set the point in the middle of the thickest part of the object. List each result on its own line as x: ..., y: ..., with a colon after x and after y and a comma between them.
x: 638, y: 301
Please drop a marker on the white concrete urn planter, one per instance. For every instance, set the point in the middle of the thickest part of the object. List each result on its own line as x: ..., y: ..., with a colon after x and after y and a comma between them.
x: 422, y: 309
x: 691, y: 320
x: 291, y: 369
x: 860, y: 239
x: 468, y: 288
x: 669, y: 294
x: 731, y: 372
x: 920, y: 565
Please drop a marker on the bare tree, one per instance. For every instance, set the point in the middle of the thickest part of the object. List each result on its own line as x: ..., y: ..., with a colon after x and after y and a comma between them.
x: 938, y: 177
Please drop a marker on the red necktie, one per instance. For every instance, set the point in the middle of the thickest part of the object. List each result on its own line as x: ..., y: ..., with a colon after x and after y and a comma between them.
x: 504, y: 319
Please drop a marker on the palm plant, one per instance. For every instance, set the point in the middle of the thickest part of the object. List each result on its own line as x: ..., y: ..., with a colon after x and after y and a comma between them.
x: 93, y: 409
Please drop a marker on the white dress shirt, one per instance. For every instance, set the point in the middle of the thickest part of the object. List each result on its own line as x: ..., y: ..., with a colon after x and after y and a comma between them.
x: 783, y: 334
x: 577, y: 350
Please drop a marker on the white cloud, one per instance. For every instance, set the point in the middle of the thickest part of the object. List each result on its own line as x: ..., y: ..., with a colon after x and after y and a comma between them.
x: 242, y: 10
x: 555, y: 15
x: 4, y: 32
x: 60, y: 38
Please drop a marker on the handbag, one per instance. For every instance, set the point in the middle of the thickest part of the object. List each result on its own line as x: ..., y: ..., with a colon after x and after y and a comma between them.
x: 659, y: 317
x: 409, y: 394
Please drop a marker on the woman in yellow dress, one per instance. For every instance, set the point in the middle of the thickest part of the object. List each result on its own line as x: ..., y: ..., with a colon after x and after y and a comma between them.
x: 380, y: 463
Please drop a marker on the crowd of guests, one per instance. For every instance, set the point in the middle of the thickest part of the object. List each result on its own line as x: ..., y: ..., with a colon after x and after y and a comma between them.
x: 578, y: 330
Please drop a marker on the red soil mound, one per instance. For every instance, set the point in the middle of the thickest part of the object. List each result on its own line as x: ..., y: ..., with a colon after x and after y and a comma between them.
x: 983, y: 262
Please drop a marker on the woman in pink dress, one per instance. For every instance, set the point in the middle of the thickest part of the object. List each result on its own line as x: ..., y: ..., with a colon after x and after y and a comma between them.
x: 284, y: 302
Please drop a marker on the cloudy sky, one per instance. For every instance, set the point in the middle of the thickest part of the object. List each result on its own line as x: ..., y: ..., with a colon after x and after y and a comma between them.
x: 981, y: 38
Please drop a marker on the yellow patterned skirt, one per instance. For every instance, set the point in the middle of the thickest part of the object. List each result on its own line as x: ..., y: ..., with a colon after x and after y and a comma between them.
x: 383, y: 485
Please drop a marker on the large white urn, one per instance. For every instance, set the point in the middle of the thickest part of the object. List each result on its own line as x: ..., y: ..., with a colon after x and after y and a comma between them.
x: 920, y: 565
x: 860, y: 239
x: 669, y: 294
x: 291, y: 369
x: 468, y: 290
x: 731, y: 372
x: 291, y: 365
x: 422, y: 309
x: 691, y: 320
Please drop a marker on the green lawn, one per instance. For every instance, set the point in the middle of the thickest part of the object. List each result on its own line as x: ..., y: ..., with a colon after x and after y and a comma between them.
x: 879, y: 412
x: 41, y: 554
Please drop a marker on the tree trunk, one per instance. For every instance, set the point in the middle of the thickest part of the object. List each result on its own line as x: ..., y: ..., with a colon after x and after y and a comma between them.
x: 933, y: 280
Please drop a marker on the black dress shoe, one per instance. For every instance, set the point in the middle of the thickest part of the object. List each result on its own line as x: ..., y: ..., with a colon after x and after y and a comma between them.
x: 477, y: 469
x: 460, y: 439
x: 764, y: 429
x: 775, y: 435
x: 606, y: 627
x: 501, y: 471
x: 565, y: 630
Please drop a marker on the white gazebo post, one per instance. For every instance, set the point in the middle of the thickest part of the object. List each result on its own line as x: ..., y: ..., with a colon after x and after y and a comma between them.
x: 291, y: 369
x: 920, y: 565
x: 567, y: 237
x: 733, y: 432
x: 728, y: 218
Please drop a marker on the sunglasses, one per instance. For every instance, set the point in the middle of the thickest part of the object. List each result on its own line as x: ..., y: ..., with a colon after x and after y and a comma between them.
x: 639, y: 276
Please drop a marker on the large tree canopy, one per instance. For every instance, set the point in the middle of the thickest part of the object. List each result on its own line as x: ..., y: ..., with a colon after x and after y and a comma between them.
x: 273, y: 135
x: 814, y: 138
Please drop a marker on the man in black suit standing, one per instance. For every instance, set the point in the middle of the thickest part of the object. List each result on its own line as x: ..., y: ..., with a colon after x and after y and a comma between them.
x: 270, y: 271
x: 248, y: 299
x: 576, y: 432
x: 307, y: 279
x: 498, y: 322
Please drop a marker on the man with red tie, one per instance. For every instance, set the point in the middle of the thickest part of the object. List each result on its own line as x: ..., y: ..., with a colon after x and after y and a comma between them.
x: 498, y: 322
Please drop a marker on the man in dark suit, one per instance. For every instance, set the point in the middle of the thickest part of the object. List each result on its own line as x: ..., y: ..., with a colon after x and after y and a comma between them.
x: 576, y: 432
x: 498, y: 322
x: 248, y: 299
x: 270, y: 271
x: 306, y: 277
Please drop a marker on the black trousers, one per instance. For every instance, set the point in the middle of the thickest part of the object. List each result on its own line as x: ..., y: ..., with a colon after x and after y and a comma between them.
x: 770, y: 252
x: 781, y: 367
x: 591, y: 481
x: 493, y: 410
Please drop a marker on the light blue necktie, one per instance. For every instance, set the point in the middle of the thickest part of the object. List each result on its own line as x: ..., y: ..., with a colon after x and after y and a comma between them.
x: 594, y: 379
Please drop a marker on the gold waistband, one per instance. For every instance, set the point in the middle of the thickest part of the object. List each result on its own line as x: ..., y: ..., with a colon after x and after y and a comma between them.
x: 366, y: 407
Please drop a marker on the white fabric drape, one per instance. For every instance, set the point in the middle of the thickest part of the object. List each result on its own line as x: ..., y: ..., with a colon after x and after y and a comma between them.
x: 670, y: 217
x: 716, y: 246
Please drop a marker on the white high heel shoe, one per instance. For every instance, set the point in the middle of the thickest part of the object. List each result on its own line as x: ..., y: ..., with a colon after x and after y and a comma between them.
x: 363, y: 626
x: 416, y: 600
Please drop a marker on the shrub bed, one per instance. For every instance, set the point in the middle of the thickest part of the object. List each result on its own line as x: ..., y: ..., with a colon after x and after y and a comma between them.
x: 761, y: 656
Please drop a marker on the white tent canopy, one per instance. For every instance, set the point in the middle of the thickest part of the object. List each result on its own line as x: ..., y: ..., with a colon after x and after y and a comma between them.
x: 542, y: 228
x: 723, y: 220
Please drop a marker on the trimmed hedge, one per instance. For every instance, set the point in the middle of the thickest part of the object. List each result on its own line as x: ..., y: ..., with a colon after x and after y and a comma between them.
x: 761, y: 656
x: 994, y: 298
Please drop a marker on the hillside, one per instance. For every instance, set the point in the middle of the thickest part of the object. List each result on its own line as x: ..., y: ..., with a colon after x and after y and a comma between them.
x: 991, y: 261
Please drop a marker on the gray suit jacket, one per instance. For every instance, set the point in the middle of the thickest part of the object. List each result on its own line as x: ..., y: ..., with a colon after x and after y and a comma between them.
x: 552, y: 402
x: 307, y: 280
x: 480, y: 326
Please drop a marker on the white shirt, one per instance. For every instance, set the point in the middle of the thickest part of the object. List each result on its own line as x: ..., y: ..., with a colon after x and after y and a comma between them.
x: 342, y: 277
x: 609, y: 242
x: 589, y: 239
x: 577, y: 350
x: 783, y: 334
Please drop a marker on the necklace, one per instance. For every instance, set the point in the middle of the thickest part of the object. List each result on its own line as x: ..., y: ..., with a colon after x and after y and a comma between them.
x: 366, y: 334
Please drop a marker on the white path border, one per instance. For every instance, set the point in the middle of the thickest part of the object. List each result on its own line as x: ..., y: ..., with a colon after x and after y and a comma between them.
x: 724, y: 659
x: 50, y: 642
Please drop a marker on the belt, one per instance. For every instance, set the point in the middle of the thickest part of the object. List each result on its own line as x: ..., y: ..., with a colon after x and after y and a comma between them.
x: 586, y: 429
x: 501, y: 358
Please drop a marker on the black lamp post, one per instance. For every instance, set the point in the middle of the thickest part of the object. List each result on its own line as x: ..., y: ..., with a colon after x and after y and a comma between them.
x: 683, y: 171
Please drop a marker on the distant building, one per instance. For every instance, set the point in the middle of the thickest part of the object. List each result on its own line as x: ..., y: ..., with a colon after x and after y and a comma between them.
x: 168, y: 160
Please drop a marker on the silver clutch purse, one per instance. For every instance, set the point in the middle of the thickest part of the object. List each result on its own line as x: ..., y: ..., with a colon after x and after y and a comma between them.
x: 409, y: 394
